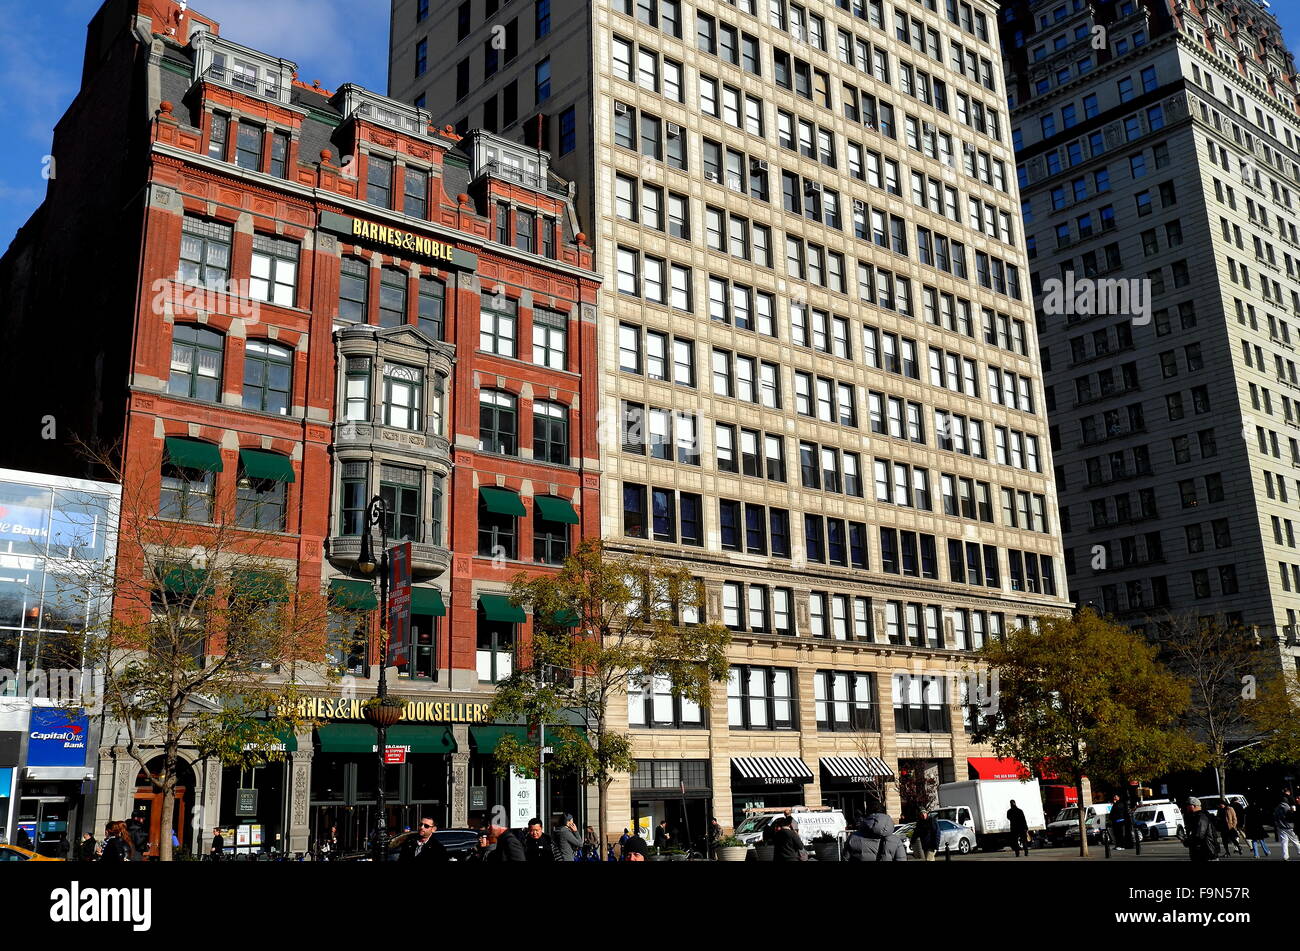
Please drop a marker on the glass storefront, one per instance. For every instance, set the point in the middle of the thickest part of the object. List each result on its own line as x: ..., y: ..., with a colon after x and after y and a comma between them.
x: 51, y: 533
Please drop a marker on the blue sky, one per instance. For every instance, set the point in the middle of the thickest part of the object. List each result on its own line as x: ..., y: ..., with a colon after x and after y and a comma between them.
x: 335, y: 41
x: 41, y: 47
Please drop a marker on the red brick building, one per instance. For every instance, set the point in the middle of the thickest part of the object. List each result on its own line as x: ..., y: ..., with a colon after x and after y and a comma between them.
x: 302, y: 299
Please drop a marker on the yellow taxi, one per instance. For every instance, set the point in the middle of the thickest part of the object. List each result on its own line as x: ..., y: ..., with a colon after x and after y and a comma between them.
x: 12, y: 853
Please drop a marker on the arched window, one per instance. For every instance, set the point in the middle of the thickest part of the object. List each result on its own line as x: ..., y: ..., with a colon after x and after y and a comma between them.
x: 268, y: 377
x: 403, y: 389
x: 498, y: 423
x: 196, y: 363
x: 392, y: 297
x: 354, y: 286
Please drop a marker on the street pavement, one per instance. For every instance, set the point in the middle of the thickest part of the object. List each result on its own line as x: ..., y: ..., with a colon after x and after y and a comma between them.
x: 1162, y: 850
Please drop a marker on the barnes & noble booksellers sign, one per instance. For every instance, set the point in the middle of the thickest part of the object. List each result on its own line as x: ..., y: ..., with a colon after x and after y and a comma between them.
x: 415, y: 711
x: 394, y: 239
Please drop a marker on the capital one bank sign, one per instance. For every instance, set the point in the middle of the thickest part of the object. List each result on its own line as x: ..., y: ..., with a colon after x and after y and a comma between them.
x: 56, y: 739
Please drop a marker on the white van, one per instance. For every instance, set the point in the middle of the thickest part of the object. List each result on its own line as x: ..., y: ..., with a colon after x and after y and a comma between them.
x: 1158, y: 819
x: 809, y: 823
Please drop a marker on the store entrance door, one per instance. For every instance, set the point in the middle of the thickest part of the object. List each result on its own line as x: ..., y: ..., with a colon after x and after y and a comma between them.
x: 688, y: 820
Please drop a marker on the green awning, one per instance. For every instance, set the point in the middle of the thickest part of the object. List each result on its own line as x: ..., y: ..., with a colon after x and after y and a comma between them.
x: 432, y: 738
x: 502, y: 501
x: 566, y: 618
x: 266, y: 465
x: 484, y: 739
x: 192, y: 454
x: 361, y: 738
x: 353, y: 595
x: 185, y: 582
x: 427, y: 601
x: 260, y: 585
x: 497, y: 607
x: 555, y: 509
x: 285, y: 741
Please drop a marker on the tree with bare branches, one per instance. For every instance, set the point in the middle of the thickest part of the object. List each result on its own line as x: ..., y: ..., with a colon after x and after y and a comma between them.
x: 1221, y: 664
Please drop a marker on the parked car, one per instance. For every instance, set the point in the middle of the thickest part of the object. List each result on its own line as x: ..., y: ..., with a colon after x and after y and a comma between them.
x: 459, y: 843
x: 1064, y: 829
x: 1158, y: 819
x: 1212, y: 803
x: 951, y: 836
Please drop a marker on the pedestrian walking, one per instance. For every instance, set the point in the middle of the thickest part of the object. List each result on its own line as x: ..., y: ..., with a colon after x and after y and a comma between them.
x: 662, y: 836
x: 1284, y: 824
x: 789, y: 847
x: 117, y: 847
x: 567, y: 841
x: 1119, y: 823
x: 591, y: 845
x: 1201, y: 838
x: 23, y: 840
x: 86, y: 848
x: 423, y: 846
x: 139, y: 837
x: 715, y: 833
x: 1254, y: 827
x: 537, y: 844
x: 63, y: 848
x: 875, y: 839
x: 1229, y: 823
x: 926, y: 836
x: 218, y: 845
x: 507, y: 845
x: 1019, y: 826
x: 635, y: 849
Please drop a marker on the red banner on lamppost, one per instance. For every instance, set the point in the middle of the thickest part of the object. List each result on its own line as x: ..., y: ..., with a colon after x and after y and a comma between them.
x: 399, y: 596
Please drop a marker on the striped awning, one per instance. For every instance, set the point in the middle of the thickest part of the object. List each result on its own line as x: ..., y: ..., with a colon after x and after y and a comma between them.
x: 771, y: 770
x: 856, y: 769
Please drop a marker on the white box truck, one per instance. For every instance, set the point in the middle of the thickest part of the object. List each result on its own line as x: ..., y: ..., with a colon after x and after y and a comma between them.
x: 982, y: 804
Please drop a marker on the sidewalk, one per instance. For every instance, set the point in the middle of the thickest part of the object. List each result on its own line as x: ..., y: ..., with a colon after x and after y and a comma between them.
x: 1163, y: 850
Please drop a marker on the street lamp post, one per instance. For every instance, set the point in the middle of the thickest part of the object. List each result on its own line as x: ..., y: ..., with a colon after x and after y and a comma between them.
x: 376, y: 514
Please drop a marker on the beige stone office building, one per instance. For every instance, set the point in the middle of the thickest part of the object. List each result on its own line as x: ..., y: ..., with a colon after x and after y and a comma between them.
x: 1159, y: 143
x: 821, y: 383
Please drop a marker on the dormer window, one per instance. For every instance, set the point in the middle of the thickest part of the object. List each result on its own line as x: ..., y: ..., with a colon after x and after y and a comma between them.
x: 219, y: 61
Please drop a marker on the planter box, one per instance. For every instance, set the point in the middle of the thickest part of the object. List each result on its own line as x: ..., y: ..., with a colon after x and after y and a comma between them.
x: 827, y: 851
x: 733, y: 853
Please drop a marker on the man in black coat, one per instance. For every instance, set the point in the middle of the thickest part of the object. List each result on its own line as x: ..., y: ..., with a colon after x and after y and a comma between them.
x: 423, y: 846
x: 218, y: 845
x: 509, y: 846
x: 537, y: 844
x: 1201, y: 838
x: 139, y: 837
x: 926, y: 835
x: 662, y: 835
x: 1119, y: 823
x: 789, y: 847
x: 1019, y: 829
